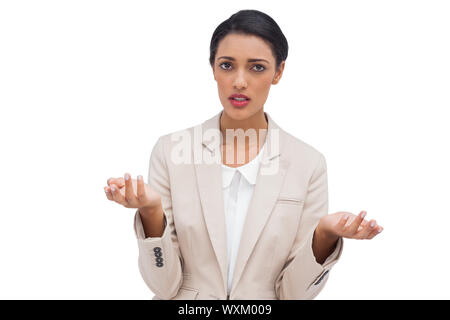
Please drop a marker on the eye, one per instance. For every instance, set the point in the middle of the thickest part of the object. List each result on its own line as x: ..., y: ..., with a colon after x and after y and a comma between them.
x: 224, y: 63
x: 261, y: 66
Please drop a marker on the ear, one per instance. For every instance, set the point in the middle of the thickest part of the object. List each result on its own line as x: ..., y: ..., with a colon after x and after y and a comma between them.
x: 279, y: 73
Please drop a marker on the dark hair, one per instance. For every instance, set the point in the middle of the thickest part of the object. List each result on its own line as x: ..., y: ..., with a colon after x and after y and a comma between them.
x: 251, y: 22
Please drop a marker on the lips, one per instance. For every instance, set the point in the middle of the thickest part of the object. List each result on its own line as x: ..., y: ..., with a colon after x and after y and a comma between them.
x: 239, y: 96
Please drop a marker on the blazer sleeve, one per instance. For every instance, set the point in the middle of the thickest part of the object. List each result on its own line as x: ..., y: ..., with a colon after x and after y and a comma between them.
x: 160, y: 261
x: 302, y: 277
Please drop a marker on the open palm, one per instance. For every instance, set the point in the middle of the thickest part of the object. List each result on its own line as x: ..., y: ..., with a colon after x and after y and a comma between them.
x: 132, y: 193
x: 347, y: 225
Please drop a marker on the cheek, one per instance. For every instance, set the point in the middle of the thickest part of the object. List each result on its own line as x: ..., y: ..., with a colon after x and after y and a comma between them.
x: 224, y: 85
x: 219, y: 78
x: 266, y: 82
x: 262, y: 87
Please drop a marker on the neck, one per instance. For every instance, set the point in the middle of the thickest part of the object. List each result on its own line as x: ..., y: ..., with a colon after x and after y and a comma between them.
x: 257, y: 121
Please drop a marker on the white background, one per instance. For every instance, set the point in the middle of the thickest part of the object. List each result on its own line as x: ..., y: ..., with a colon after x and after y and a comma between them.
x: 86, y: 88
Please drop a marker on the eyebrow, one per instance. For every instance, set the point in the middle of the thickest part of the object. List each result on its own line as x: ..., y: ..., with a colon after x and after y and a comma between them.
x: 249, y: 60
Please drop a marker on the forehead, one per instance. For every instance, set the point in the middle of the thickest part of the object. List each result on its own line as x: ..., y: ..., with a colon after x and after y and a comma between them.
x: 243, y: 47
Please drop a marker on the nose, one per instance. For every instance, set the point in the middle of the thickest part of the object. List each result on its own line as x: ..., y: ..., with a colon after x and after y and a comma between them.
x: 240, y: 82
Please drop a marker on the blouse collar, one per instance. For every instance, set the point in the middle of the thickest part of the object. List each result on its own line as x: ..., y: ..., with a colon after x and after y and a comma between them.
x: 248, y: 170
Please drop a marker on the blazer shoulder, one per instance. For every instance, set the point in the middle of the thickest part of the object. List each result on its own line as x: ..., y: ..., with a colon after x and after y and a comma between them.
x: 302, y: 148
x: 173, y: 137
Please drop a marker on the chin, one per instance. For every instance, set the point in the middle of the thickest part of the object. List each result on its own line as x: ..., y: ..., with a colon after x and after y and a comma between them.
x: 237, y: 114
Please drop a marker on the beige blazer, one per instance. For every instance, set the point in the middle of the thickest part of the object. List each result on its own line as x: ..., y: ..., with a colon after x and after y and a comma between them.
x: 275, y: 258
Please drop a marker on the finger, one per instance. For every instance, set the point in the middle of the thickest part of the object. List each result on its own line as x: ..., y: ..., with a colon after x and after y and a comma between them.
x: 117, y: 195
x: 117, y: 181
x: 140, y: 188
x: 366, y: 230
x: 362, y: 225
x: 353, y: 227
x: 108, y: 193
x: 342, y: 221
x: 377, y: 230
x: 351, y: 219
x: 130, y: 197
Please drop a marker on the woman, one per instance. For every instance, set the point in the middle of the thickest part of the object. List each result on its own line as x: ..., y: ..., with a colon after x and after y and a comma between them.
x: 231, y: 219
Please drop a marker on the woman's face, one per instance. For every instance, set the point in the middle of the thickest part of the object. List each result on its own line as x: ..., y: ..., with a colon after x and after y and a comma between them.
x: 236, y: 71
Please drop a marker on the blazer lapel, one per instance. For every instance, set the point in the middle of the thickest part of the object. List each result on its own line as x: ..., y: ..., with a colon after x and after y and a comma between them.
x: 264, y: 197
x: 209, y: 180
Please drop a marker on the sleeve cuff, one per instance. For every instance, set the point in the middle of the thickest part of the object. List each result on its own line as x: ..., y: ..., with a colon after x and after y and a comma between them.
x: 329, y: 262
x: 334, y: 256
x: 139, y: 228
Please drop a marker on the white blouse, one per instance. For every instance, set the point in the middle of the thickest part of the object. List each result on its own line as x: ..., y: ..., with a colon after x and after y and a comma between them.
x: 237, y: 185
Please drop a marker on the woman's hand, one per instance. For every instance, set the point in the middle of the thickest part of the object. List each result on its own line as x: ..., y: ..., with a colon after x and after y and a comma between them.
x: 347, y: 225
x: 132, y: 193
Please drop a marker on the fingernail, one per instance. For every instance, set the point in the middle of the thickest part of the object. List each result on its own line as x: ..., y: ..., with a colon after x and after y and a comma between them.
x: 113, y: 189
x: 346, y: 217
x: 372, y: 224
x: 139, y: 177
x: 106, y: 189
x: 380, y: 229
x: 127, y: 176
x: 363, y: 214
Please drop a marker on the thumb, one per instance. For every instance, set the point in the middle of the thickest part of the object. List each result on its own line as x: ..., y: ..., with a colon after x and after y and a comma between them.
x: 120, y: 182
